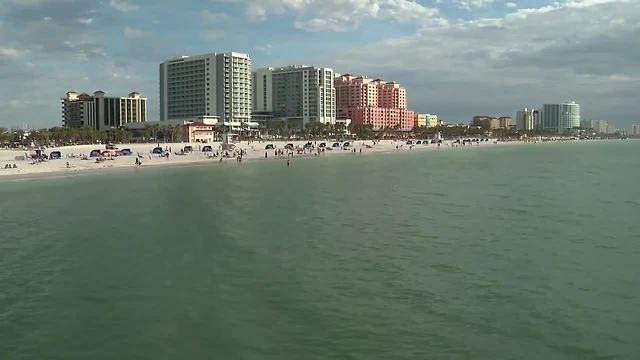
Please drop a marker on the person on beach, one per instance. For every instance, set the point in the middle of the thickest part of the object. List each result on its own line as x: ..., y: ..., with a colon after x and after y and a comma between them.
x: 288, y: 163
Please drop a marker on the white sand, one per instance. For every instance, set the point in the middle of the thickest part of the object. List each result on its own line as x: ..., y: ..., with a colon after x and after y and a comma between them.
x: 255, y: 151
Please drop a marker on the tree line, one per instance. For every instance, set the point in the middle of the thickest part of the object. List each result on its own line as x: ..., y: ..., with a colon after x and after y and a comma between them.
x: 59, y: 136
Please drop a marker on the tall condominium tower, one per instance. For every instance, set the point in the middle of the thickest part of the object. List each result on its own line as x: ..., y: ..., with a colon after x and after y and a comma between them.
x: 560, y: 118
x: 262, y: 90
x: 528, y: 119
x: 376, y: 102
x: 102, y: 112
x: 304, y: 94
x: 206, y: 85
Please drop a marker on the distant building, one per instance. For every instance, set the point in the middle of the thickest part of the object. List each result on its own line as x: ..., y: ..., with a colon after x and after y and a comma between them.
x: 262, y: 90
x: 420, y: 120
x: 304, y: 94
x: 560, y: 118
x: 595, y: 126
x: 528, y: 119
x: 198, y: 133
x: 635, y: 130
x: 376, y: 102
x: 101, y: 112
x: 602, y: 127
x: 425, y: 120
x: 346, y: 123
x: 505, y: 122
x: 587, y: 124
x: 207, y: 85
x: 432, y: 120
x: 493, y: 123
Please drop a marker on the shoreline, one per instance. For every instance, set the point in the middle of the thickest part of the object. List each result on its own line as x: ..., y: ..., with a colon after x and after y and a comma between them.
x: 58, y: 169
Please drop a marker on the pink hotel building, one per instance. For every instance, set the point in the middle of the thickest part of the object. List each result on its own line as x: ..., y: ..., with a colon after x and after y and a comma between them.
x: 376, y: 102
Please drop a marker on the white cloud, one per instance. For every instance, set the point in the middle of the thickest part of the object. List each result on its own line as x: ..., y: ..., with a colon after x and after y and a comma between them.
x: 131, y: 33
x: 123, y: 5
x: 214, y: 24
x: 11, y: 53
x: 511, y: 5
x: 85, y: 21
x: 338, y: 15
x: 586, y: 52
x: 265, y: 49
x: 471, y: 4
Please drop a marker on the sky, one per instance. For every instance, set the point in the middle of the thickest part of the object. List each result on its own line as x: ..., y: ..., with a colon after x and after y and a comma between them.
x: 456, y: 58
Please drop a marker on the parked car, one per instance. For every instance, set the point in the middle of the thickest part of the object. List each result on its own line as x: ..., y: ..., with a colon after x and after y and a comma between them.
x: 95, y: 153
x: 111, y: 147
x: 157, y: 150
x: 126, y: 152
x: 322, y: 145
x: 419, y: 142
x: 188, y: 149
x: 269, y: 147
x: 55, y: 155
x: 409, y: 142
x: 289, y: 146
x: 336, y: 145
x: 308, y: 145
x: 347, y: 144
x: 207, y: 148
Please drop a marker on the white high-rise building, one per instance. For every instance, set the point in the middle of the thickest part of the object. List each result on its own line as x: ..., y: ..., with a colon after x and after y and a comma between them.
x: 304, y: 94
x: 262, y: 90
x: 528, y: 119
x: 635, y: 130
x: 601, y: 127
x: 211, y: 85
x: 560, y: 118
x: 102, y: 112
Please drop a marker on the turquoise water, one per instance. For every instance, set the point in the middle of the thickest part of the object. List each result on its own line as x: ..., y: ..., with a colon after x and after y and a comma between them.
x: 506, y: 252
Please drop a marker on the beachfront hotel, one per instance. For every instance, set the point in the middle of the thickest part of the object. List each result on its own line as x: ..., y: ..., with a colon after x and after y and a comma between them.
x: 376, y: 102
x: 597, y: 126
x: 528, y: 119
x: 492, y: 122
x: 262, y: 94
x: 560, y: 118
x: 212, y: 85
x: 297, y: 94
x: 425, y: 120
x: 102, y: 112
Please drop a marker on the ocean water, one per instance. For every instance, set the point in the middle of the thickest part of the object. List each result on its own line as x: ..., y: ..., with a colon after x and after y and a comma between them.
x: 503, y: 252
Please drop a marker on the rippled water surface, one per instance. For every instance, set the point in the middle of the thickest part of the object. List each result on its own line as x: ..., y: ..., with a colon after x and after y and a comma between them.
x: 505, y: 252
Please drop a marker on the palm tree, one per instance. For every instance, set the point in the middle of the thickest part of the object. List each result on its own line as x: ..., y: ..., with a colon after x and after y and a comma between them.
x: 147, y: 132
x: 177, y: 133
x: 243, y: 129
x: 308, y: 130
x: 4, y: 135
x: 339, y: 129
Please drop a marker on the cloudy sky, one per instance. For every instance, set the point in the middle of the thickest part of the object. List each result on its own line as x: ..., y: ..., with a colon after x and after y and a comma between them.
x: 457, y: 58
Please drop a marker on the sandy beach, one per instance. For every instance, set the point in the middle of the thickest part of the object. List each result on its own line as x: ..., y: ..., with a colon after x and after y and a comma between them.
x: 253, y: 151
